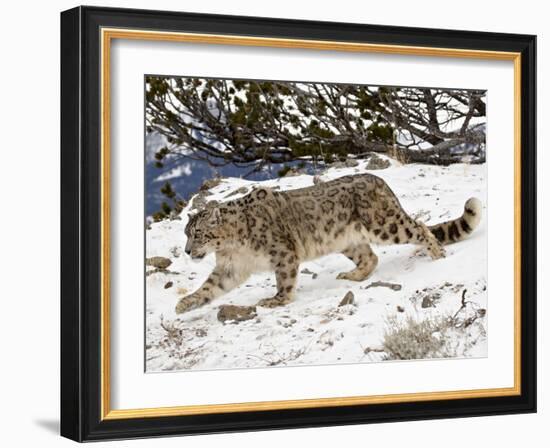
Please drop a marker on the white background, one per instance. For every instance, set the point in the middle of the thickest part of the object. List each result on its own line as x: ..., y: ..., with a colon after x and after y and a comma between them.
x: 132, y: 388
x: 30, y: 226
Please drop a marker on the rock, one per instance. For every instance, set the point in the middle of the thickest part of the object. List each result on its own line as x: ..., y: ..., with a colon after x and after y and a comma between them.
x: 168, y: 285
x: 430, y: 300
x: 210, y: 183
x: 211, y: 204
x: 400, y: 309
x: 292, y: 172
x: 392, y: 286
x: 158, y: 262
x: 175, y: 251
x: 377, y: 163
x: 306, y: 271
x: 351, y: 163
x: 236, y: 313
x: 348, y: 163
x: 201, y: 332
x: 349, y: 299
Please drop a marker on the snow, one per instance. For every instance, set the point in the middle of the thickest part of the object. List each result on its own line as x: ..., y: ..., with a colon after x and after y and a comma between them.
x: 313, y: 329
x: 176, y: 172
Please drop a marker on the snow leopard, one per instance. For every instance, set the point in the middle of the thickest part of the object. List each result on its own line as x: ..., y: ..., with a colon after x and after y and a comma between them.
x: 270, y: 230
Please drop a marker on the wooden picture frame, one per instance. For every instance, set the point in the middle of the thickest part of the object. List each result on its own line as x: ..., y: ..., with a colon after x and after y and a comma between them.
x: 86, y: 37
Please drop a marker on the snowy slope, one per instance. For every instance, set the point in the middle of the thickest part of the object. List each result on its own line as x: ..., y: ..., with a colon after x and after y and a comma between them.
x: 313, y: 329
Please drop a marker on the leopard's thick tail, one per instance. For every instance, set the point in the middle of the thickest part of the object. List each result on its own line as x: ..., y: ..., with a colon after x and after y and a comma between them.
x: 460, y: 228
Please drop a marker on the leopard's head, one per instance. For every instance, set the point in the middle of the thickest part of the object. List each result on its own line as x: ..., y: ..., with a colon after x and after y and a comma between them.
x: 205, y: 233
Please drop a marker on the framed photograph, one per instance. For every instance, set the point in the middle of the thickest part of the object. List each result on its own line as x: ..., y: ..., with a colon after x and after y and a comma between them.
x: 273, y: 223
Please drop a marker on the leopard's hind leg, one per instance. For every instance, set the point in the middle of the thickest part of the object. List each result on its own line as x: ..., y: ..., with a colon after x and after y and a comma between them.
x: 423, y: 236
x: 405, y: 230
x: 365, y: 259
x: 387, y: 223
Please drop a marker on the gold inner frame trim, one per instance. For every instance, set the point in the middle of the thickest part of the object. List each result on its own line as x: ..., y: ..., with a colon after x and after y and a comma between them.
x: 107, y: 35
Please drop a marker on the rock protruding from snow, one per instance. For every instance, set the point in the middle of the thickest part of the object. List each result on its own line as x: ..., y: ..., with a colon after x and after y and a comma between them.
x: 233, y: 313
x: 210, y: 183
x: 430, y: 300
x: 392, y: 286
x: 349, y: 299
x: 158, y: 262
x: 377, y: 163
x: 175, y: 251
x: 348, y: 163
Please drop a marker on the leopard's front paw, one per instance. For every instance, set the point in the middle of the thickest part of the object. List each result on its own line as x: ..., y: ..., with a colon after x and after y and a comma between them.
x: 188, y: 303
x: 273, y: 302
x: 437, y: 251
x: 354, y: 276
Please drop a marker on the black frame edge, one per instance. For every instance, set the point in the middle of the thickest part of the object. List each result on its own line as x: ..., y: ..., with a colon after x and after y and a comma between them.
x: 529, y: 222
x: 71, y: 382
x: 80, y: 231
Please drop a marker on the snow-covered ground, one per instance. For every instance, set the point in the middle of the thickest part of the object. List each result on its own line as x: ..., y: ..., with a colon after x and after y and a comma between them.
x: 314, y: 329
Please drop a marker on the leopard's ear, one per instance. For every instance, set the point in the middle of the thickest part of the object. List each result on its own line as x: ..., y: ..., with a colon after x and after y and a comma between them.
x: 211, y: 204
x: 215, y: 217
